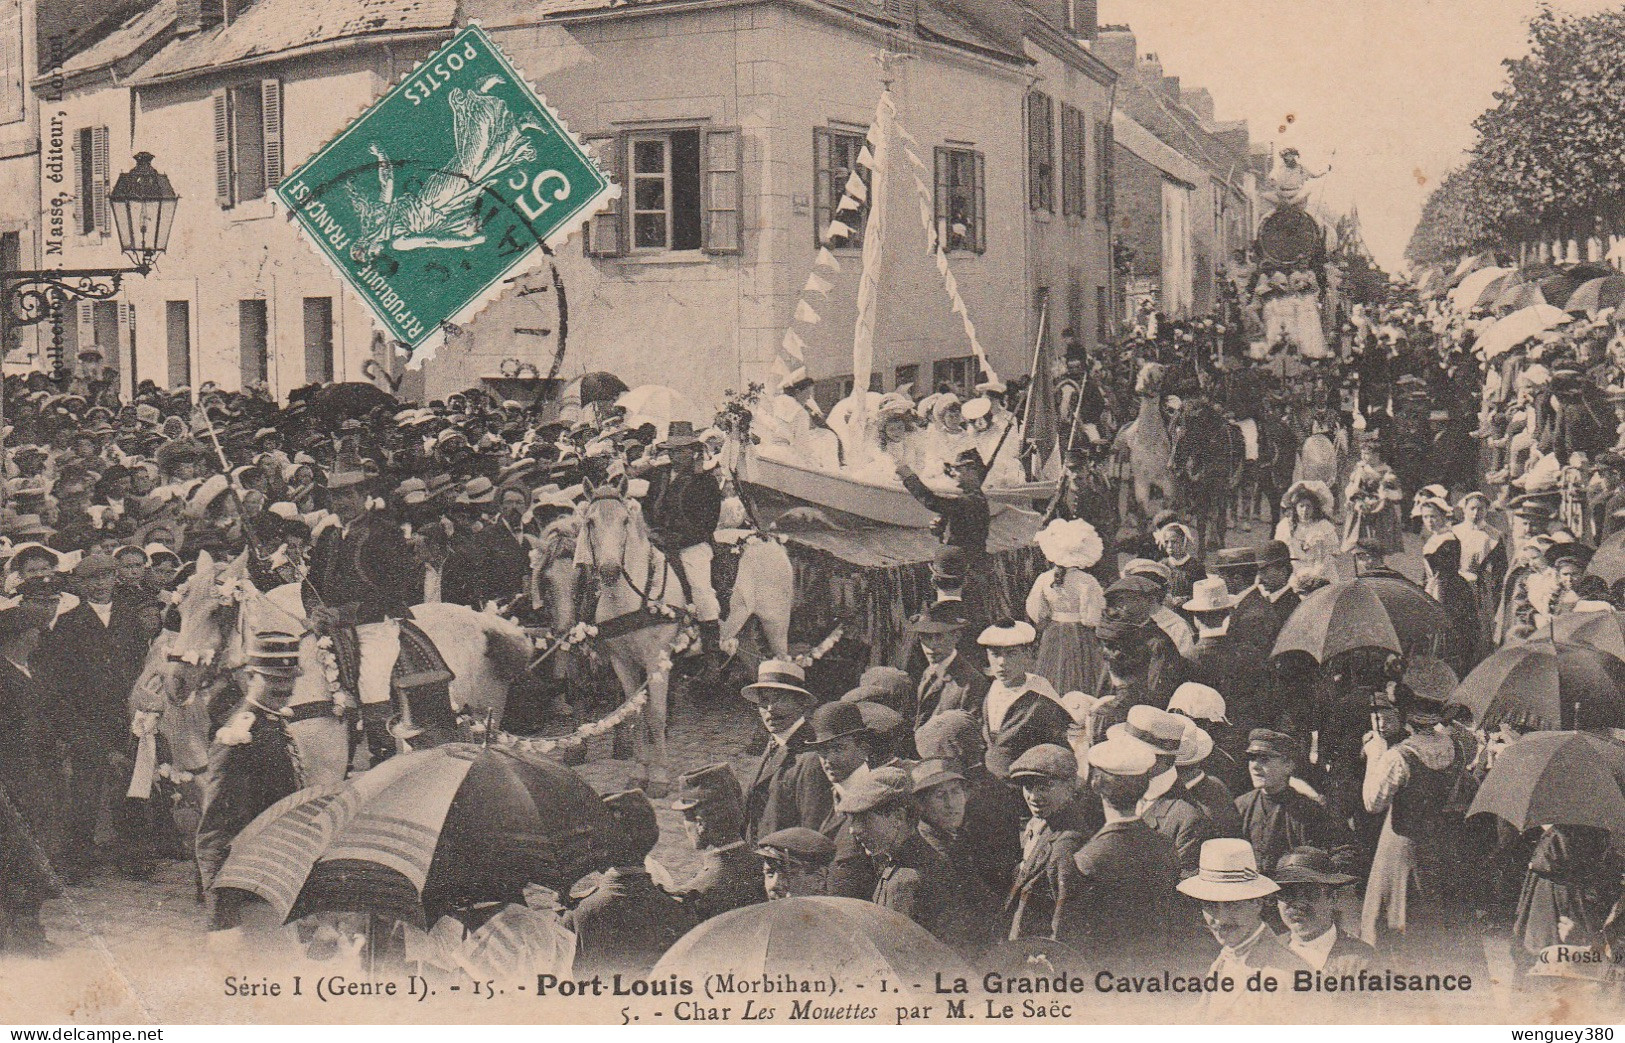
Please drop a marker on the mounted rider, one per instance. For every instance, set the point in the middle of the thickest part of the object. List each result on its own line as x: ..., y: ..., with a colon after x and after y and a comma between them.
x: 361, y: 581
x: 682, y: 507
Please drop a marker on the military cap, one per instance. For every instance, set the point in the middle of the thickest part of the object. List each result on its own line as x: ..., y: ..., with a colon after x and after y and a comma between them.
x: 711, y: 785
x: 798, y: 844
x: 275, y: 653
x: 877, y: 790
x: 1046, y: 760
x: 1265, y: 742
x: 1122, y: 757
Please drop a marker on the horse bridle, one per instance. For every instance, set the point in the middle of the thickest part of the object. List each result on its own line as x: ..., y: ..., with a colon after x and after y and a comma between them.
x: 592, y: 549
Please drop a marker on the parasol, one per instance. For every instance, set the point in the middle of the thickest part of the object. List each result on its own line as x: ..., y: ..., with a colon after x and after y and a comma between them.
x: 1469, y: 265
x: 1593, y: 296
x: 1609, y: 561
x: 805, y: 937
x: 336, y: 403
x: 1465, y: 296
x: 1604, y: 631
x: 1545, y: 685
x: 423, y: 833
x: 1556, y: 779
x: 1514, y: 329
x: 659, y: 405
x: 1518, y: 296
x: 1378, y: 612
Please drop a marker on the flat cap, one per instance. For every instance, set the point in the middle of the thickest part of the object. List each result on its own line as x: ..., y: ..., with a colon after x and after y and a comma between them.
x: 797, y: 844
x: 933, y: 772
x: 713, y: 784
x: 1046, y: 760
x: 950, y: 734
x: 1269, y: 743
x: 878, y: 790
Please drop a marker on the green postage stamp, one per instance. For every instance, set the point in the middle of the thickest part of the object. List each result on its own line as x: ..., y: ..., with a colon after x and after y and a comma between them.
x: 445, y: 186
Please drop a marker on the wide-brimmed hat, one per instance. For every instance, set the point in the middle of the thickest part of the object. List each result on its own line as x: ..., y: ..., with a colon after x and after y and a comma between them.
x: 681, y: 433
x: 1273, y: 552
x: 1232, y: 558
x: 477, y: 492
x: 779, y: 674
x: 1072, y: 544
x: 713, y: 785
x: 1194, y: 746
x: 944, y: 617
x: 1122, y: 757
x: 1210, y: 595
x: 1309, y: 865
x: 1159, y: 730
x: 550, y: 495
x: 1227, y: 872
x: 834, y: 721
x: 1311, y: 489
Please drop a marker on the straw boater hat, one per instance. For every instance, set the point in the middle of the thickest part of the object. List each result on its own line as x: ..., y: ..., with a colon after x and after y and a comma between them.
x: 1121, y: 757
x: 1070, y: 544
x: 1194, y: 746
x: 1158, y: 730
x: 777, y: 674
x: 1210, y: 595
x: 1227, y: 872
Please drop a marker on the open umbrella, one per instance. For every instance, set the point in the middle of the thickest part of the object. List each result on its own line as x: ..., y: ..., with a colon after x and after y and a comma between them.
x: 659, y: 405
x: 1545, y: 685
x: 592, y: 387
x: 1596, y: 294
x: 1465, y: 296
x: 1588, y: 270
x: 1518, y: 327
x: 1470, y: 264
x: 1379, y: 612
x: 1557, y: 289
x: 1556, y: 779
x: 1520, y: 295
x: 805, y: 937
x: 1609, y: 561
x: 352, y: 400
x: 422, y: 833
x: 1604, y: 631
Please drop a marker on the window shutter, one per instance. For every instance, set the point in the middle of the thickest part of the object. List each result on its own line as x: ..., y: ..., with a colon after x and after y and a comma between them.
x: 84, y: 317
x: 981, y: 204
x: 944, y: 205
x: 126, y: 360
x: 99, y: 179
x: 1034, y: 158
x: 1069, y: 156
x: 222, y: 149
x: 271, y: 124
x: 823, y: 184
x: 606, y: 233
x: 1082, y: 149
x: 723, y: 191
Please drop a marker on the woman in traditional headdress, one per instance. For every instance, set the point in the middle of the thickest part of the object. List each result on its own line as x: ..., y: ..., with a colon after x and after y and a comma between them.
x: 1066, y: 604
x: 1483, y: 557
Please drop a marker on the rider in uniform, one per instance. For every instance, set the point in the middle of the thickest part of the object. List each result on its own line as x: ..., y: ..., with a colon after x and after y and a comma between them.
x: 683, y: 507
x: 362, y: 576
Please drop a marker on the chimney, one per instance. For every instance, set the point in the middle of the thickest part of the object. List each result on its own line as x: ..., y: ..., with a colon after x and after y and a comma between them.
x: 1150, y: 71
x: 1170, y: 88
x: 1199, y: 101
x: 1085, y: 18
x: 1117, y: 47
x: 196, y: 15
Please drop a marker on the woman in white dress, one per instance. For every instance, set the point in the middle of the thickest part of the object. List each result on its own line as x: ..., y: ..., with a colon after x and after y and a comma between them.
x: 1483, y: 558
x: 1066, y: 604
x: 1308, y: 530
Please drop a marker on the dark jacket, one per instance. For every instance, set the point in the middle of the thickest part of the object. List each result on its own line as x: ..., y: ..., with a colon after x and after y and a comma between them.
x: 29, y: 787
x: 994, y: 813
x: 788, y: 789
x: 489, y: 565
x: 1256, y: 620
x: 729, y: 877
x: 1032, y: 720
x: 682, y: 509
x: 1126, y: 888
x: 91, y: 668
x: 625, y: 924
x: 1274, y: 825
x: 1183, y: 823
x: 962, y: 686
x: 852, y: 872
x: 370, y: 570
x: 921, y: 884
x: 1213, y: 797
x: 1044, y: 901
x: 962, y: 521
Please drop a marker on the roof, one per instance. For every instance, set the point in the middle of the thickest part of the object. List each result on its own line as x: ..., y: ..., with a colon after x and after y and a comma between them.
x: 1134, y: 137
x: 124, y: 41
x: 273, y: 27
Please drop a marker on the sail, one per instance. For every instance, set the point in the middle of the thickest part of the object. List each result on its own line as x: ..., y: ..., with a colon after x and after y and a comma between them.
x: 874, y: 245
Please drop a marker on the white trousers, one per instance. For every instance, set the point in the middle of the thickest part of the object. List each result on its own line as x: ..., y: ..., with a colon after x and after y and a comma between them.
x: 695, y: 562
x: 380, y: 645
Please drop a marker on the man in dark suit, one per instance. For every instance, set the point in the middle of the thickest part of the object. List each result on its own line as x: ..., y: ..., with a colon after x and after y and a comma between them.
x: 841, y: 743
x: 627, y: 922
x: 1044, y: 901
x: 994, y: 809
x: 713, y: 809
x: 91, y: 658
x: 951, y: 680
x: 363, y: 577
x: 1263, y: 609
x: 1276, y: 817
x: 29, y: 784
x: 789, y: 787
x: 1309, y: 880
x: 485, y: 563
x: 1127, y: 872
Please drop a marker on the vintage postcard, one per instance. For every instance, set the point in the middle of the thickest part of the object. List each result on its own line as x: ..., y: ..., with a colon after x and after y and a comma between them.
x: 775, y: 512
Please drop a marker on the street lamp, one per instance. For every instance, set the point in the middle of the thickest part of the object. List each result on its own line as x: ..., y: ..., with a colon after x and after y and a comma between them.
x: 143, y: 205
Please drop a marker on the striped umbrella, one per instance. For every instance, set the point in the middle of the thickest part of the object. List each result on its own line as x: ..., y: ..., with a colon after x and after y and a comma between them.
x: 423, y: 833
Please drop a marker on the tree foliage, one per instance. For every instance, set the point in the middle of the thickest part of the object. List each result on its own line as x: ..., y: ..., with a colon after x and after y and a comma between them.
x: 1550, y: 155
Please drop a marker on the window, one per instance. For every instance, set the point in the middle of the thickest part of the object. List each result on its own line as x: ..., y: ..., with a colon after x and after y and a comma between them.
x: 11, y: 61
x: 905, y: 375
x: 253, y: 341
x: 1040, y: 152
x: 90, y: 152
x: 683, y: 190
x: 958, y: 374
x: 835, y: 160
x: 1074, y: 162
x: 1103, y: 312
x: 178, y: 323
x: 318, y: 339
x: 961, y: 200
x: 247, y: 141
x: 1103, y: 168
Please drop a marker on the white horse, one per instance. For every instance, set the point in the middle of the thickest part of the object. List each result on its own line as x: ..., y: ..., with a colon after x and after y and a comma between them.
x: 1145, y: 446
